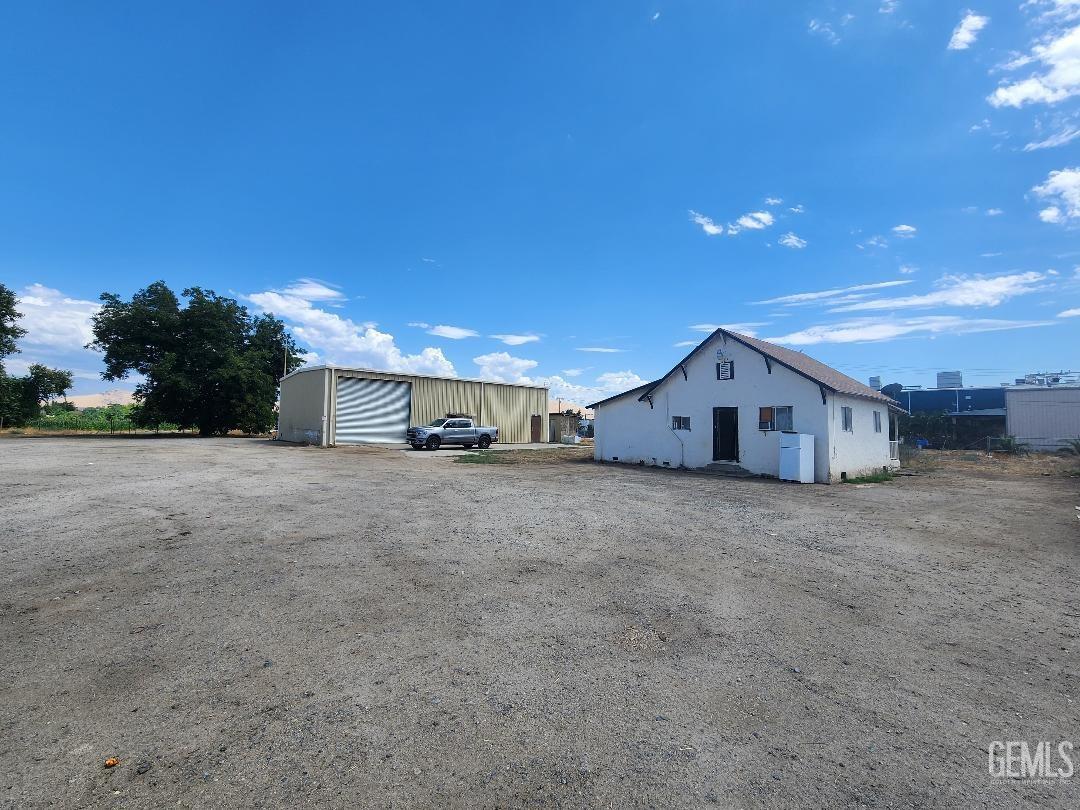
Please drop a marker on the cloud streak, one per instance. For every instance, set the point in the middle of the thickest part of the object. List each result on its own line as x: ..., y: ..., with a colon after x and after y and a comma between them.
x: 958, y: 291
x: 824, y: 295
x: 872, y: 330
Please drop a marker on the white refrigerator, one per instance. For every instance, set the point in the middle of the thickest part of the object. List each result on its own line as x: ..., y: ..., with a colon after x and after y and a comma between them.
x: 797, y: 457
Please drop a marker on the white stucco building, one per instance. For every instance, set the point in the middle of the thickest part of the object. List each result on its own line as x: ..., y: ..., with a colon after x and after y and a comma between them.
x: 728, y: 402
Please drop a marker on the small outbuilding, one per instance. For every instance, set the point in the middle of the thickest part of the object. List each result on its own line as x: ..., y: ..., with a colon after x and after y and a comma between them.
x: 727, y: 404
x: 329, y: 405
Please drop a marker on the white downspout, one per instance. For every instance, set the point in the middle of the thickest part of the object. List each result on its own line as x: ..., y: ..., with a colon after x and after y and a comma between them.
x: 326, y: 408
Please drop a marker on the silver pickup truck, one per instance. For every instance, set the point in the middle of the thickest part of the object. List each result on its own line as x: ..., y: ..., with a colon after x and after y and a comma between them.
x: 451, y: 431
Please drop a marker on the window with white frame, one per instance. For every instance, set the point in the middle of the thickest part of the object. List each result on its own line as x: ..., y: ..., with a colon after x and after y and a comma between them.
x: 725, y: 370
x: 845, y: 419
x: 776, y: 417
x: 680, y: 423
x: 877, y: 421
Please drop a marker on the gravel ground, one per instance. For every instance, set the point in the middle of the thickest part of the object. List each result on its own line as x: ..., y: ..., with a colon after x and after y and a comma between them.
x: 249, y: 623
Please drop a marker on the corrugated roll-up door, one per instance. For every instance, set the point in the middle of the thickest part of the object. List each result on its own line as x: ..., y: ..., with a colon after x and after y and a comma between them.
x: 371, y: 411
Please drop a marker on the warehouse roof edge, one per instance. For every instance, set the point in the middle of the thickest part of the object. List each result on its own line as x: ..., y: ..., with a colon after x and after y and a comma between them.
x: 324, y: 367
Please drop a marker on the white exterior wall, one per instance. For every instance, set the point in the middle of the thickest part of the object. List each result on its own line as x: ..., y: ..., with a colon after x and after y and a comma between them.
x: 1042, y: 418
x: 629, y: 430
x: 860, y: 451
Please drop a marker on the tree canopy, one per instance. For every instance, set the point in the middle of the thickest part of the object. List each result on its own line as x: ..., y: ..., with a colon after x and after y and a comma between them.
x: 21, y: 397
x: 10, y: 331
x: 209, y: 364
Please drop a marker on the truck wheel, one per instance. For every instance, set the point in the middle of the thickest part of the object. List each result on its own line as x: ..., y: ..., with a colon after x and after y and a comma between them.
x: 433, y: 443
x: 485, y: 442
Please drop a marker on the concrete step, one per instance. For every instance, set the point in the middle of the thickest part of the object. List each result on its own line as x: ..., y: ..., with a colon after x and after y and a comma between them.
x: 728, y: 468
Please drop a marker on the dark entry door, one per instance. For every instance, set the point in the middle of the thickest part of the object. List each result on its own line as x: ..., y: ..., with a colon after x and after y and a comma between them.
x: 537, y: 423
x: 725, y: 434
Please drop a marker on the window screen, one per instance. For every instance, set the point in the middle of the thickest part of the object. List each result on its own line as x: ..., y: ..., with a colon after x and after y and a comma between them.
x: 784, y: 418
x: 845, y: 419
x: 680, y: 423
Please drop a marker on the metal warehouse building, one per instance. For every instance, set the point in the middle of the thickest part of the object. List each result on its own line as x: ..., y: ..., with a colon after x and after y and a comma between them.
x: 1041, y: 417
x: 326, y: 405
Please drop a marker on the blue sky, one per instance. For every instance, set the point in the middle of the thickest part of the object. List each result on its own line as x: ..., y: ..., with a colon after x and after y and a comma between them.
x: 567, y: 193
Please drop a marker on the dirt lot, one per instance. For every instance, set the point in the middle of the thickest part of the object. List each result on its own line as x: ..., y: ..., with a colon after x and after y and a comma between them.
x: 241, y: 622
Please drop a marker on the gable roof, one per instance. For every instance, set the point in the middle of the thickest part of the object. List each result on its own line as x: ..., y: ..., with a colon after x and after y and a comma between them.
x: 638, y: 390
x: 814, y: 370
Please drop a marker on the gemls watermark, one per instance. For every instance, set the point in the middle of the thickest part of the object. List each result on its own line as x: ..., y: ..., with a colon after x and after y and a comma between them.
x: 1019, y: 759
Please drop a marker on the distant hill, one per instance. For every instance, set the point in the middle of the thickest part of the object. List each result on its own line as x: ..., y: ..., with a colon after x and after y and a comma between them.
x: 117, y: 396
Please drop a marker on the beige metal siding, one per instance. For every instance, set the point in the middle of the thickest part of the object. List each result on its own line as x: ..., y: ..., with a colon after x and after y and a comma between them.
x: 511, y: 408
x: 508, y: 407
x: 1042, y: 418
x: 302, y: 407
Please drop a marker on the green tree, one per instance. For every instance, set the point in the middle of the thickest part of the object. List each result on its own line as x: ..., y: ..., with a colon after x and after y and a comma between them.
x: 10, y: 331
x: 21, y: 397
x: 48, y: 383
x: 208, y: 364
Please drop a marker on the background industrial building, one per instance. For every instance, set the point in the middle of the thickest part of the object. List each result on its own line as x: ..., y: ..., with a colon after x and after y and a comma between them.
x: 327, y: 405
x: 1041, y: 411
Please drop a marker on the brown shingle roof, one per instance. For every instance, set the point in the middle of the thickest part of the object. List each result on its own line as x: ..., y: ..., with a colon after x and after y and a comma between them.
x: 814, y: 369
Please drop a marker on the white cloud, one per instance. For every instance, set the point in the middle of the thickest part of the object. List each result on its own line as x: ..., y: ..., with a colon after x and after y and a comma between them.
x: 773, y: 201
x: 825, y: 295
x: 888, y: 6
x: 452, y: 332
x: 1059, y: 57
x: 904, y: 231
x: 965, y: 34
x: 792, y: 241
x: 823, y: 30
x: 599, y: 349
x: 707, y: 225
x: 1062, y: 189
x: 573, y: 372
x: 797, y: 209
x: 745, y: 328
x: 656, y: 16
x: 876, y: 329
x: 504, y: 367
x: 311, y: 289
x: 959, y: 291
x: 907, y: 269
x: 342, y: 341
x: 606, y: 385
x: 516, y: 340
x: 1070, y: 313
x: 684, y: 343
x: 54, y: 321
x: 994, y: 212
x: 755, y: 221
x: 1057, y: 139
